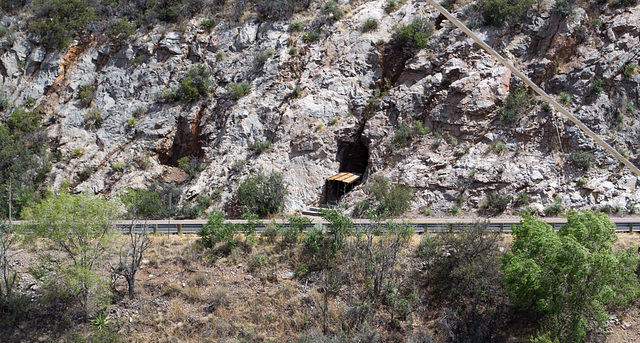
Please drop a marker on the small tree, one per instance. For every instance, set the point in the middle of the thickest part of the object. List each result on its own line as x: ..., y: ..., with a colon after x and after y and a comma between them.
x: 571, y: 275
x: 262, y: 194
x: 393, y: 198
x: 7, y: 242
x: 81, y: 228
x: 130, y: 261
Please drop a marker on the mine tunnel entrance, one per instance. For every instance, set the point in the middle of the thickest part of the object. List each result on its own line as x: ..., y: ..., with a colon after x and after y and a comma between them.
x: 354, y: 159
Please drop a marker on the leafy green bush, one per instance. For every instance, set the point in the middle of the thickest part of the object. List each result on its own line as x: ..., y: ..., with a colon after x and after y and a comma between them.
x: 370, y: 24
x: 597, y: 85
x: 571, y: 276
x: 405, y: 134
x: 260, y: 147
x: 311, y: 37
x: 581, y: 160
x: 238, y: 90
x: 391, y: 198
x: 500, y: 12
x: 296, y: 26
x: 564, y: 7
x: 498, y: 147
x: 522, y: 199
x: 555, y: 208
x: 581, y: 182
x: 77, y: 152
x: 193, y: 87
x: 58, y: 21
x: 216, y: 231
x: 262, y: 194
x: 332, y: 8
x: 414, y: 35
x: 191, y: 165
x: 498, y: 202
x: 124, y: 30
x: 24, y: 161
x: 630, y: 69
x: 516, y: 105
x: 87, y: 94
x: 208, y: 23
x: 144, y: 203
x: 565, y: 98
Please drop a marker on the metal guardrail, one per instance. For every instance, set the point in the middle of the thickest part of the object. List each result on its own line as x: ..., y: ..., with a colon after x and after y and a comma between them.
x: 419, y: 225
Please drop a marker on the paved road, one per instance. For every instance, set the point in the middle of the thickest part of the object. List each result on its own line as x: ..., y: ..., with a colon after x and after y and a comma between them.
x: 419, y: 225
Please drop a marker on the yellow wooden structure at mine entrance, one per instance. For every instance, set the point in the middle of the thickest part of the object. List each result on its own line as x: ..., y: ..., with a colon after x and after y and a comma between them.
x: 339, y: 185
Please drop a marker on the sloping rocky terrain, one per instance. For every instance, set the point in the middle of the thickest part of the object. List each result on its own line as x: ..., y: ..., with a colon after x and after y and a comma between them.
x: 337, y: 104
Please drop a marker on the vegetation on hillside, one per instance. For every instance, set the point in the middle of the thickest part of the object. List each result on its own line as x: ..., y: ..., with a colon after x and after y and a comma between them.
x: 351, y: 283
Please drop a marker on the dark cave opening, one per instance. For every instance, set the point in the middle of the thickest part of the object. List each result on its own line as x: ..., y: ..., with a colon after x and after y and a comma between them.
x: 354, y: 159
x: 353, y: 156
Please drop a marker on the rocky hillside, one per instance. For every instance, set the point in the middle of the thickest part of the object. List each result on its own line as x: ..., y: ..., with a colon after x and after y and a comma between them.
x: 316, y: 89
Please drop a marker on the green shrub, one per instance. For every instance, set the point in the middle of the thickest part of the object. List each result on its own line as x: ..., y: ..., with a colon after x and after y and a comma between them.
x: 86, y: 95
x: 332, y: 8
x: 630, y: 69
x: 208, y: 23
x: 565, y: 98
x: 564, y: 7
x: 391, y: 198
x: 238, y: 90
x: 124, y: 30
x: 77, y: 152
x: 516, y: 105
x: 260, y: 147
x: 117, y: 167
x: 195, y: 86
x: 131, y: 122
x: 271, y: 231
x: 144, y: 203
x: 296, y: 26
x: 296, y: 92
x: 219, y: 56
x: 405, y: 134
x: 522, y: 199
x: 58, y: 21
x: 498, y: 202
x: 500, y: 12
x: 293, y: 51
x: 191, y: 165
x: 216, y: 231
x: 581, y: 160
x: 262, y: 194
x: 370, y: 24
x: 597, y: 85
x: 570, y: 276
x: 3, y: 31
x: 30, y: 102
x: 454, y: 209
x: 581, y: 181
x: 23, y: 159
x: 414, y: 35
x: 311, y: 37
x: 498, y: 147
x: 555, y: 208
x: 93, y: 120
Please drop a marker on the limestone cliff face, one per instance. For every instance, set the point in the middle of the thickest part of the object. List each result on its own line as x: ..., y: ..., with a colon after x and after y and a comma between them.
x: 356, y: 89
